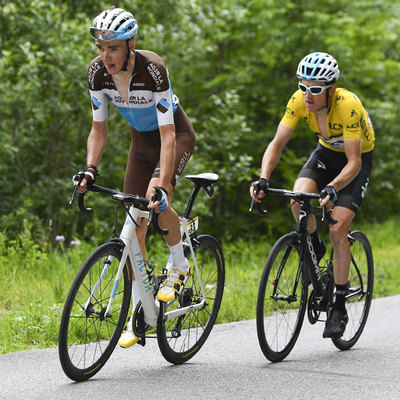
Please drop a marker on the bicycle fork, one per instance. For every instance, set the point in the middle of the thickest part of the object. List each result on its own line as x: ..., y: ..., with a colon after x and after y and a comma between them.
x: 88, y: 308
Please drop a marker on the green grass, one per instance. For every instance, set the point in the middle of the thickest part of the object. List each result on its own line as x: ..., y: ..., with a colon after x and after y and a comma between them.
x: 34, y: 282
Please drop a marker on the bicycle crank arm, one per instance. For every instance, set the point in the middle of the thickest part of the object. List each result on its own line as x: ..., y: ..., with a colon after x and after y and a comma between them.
x: 181, y: 311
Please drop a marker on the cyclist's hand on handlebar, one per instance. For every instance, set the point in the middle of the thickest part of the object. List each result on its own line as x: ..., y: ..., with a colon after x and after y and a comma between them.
x: 258, y: 189
x: 83, y: 178
x: 159, y: 200
x: 328, y: 195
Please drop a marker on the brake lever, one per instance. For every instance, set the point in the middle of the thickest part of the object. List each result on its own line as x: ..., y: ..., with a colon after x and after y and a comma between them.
x: 78, y: 178
x: 327, y: 215
x: 258, y: 206
x: 71, y: 200
x: 153, y: 215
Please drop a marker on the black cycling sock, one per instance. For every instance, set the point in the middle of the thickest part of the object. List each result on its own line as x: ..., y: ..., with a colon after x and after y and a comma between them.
x: 340, y: 297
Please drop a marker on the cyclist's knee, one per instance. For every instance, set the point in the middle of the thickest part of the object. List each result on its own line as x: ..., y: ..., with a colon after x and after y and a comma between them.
x: 338, y: 233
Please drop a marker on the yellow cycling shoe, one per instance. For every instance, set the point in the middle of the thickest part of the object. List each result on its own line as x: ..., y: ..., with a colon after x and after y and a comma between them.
x: 128, y: 338
x: 172, y: 286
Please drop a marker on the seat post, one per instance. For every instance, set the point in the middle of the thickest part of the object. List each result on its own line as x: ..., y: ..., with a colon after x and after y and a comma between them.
x: 192, y: 198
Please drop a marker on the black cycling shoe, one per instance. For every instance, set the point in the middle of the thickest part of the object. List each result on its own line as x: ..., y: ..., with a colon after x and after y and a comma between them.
x: 335, y: 324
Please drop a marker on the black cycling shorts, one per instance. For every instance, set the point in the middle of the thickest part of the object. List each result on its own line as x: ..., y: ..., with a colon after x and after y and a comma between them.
x: 324, y: 165
x: 144, y: 155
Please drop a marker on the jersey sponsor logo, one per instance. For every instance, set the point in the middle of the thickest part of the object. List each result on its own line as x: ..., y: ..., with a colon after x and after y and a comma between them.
x: 182, y: 163
x: 138, y: 84
x: 364, y: 188
x: 354, y: 127
x: 95, y: 103
x: 119, y: 99
x: 289, y: 111
x: 364, y: 128
x: 92, y: 74
x: 163, y: 106
x: 139, y: 100
x: 320, y: 164
x: 339, y: 99
x: 155, y: 74
x: 335, y: 126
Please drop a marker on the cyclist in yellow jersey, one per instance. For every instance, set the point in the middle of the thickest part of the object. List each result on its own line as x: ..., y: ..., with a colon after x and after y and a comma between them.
x: 339, y: 167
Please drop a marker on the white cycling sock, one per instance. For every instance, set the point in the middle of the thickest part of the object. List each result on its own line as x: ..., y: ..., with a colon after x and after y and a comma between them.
x: 178, y: 257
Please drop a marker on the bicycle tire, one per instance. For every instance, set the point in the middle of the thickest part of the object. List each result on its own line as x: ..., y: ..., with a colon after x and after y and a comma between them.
x: 279, y: 319
x: 359, y: 294
x: 179, y: 339
x: 88, y: 338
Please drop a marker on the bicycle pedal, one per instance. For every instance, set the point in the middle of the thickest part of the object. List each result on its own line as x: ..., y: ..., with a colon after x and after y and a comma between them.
x: 142, y: 341
x: 158, y: 281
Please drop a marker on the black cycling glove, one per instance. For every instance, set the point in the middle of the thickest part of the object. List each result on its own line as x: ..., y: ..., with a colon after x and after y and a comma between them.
x: 331, y: 192
x: 261, y: 184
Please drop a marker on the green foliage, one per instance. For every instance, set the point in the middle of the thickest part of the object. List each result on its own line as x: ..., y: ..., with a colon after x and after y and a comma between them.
x: 34, y: 282
x: 232, y: 64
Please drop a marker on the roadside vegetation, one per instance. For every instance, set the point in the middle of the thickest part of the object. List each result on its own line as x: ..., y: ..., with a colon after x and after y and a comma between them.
x: 34, y: 281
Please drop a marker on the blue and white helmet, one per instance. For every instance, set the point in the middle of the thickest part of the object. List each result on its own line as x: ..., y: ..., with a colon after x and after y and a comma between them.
x: 318, y: 67
x: 114, y: 24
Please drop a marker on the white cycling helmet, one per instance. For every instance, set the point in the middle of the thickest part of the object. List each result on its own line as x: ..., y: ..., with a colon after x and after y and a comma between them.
x: 318, y: 67
x: 114, y: 24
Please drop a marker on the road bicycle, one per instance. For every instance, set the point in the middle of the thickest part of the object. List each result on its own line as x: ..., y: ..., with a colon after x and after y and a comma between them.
x: 291, y: 267
x: 98, y: 302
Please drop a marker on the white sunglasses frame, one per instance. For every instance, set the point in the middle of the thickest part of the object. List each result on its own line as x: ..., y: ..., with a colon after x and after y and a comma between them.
x: 309, y: 89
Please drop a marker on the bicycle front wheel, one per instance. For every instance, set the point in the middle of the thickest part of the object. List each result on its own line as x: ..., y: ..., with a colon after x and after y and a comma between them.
x: 359, y: 293
x: 180, y: 338
x: 88, y: 334
x: 282, y: 299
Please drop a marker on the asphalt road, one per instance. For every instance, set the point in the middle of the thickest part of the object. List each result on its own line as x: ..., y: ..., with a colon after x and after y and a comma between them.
x: 229, y: 366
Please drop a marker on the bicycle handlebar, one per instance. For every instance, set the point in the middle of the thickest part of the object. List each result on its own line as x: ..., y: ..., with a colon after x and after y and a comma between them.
x: 300, y: 197
x: 124, y: 198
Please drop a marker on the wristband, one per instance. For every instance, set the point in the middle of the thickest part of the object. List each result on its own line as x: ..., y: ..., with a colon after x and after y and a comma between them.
x: 90, y: 175
x: 94, y: 168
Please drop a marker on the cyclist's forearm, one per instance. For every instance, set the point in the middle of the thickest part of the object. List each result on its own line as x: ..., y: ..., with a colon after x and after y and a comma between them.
x: 353, y: 166
x: 95, y: 145
x: 167, y: 155
x: 273, y: 152
x: 348, y: 173
x: 270, y: 159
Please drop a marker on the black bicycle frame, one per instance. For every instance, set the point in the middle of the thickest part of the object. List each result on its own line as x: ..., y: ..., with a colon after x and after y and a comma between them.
x: 308, y: 257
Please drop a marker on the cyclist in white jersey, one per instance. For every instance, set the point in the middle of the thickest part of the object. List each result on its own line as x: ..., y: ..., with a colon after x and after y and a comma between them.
x: 136, y: 82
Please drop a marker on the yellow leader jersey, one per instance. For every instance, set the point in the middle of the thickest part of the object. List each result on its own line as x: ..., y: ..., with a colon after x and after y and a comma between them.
x: 347, y: 120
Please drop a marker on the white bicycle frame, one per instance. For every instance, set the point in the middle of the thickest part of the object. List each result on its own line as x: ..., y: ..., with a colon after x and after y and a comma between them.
x: 132, y: 251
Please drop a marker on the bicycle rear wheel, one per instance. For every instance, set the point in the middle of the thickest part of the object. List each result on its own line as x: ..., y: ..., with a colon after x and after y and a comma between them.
x: 180, y: 338
x: 282, y: 299
x: 87, y: 336
x: 359, y: 294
